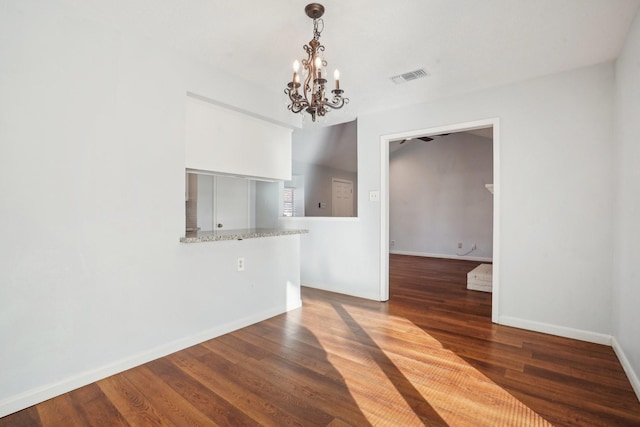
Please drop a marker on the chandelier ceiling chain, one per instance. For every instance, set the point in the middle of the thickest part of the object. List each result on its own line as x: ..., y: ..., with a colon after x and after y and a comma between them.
x: 310, y: 96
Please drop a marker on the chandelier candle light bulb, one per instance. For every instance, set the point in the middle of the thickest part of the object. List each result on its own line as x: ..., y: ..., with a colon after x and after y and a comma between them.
x: 312, y: 99
x: 296, y: 67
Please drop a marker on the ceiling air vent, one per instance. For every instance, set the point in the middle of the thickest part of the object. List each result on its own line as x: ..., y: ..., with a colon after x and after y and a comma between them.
x: 407, y: 77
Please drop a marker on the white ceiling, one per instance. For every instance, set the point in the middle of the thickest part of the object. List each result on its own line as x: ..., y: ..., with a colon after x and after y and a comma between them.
x: 464, y: 45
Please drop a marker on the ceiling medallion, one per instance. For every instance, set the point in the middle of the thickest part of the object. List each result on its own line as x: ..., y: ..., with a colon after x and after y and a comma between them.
x: 309, y: 96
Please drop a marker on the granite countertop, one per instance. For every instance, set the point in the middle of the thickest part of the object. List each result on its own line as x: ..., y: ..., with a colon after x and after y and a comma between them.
x: 245, y: 233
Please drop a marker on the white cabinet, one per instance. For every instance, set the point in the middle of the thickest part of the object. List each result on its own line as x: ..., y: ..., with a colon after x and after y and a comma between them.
x: 222, y: 140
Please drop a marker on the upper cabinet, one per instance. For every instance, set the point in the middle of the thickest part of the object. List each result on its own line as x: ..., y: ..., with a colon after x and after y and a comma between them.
x: 222, y: 140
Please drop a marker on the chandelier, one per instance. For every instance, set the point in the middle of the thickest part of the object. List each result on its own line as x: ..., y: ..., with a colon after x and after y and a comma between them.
x: 310, y: 95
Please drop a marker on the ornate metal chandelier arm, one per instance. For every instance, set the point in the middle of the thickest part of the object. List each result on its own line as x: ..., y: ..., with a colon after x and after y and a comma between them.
x: 306, y: 87
x: 296, y: 106
x: 337, y: 102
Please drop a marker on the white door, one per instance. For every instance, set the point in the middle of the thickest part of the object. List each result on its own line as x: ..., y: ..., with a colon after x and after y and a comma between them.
x: 205, y: 202
x: 231, y: 203
x: 341, y: 197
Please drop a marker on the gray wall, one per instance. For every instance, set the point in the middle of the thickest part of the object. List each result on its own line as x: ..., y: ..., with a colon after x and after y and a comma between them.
x: 626, y: 313
x: 318, y: 187
x: 320, y: 154
x: 437, y: 197
x: 268, y: 204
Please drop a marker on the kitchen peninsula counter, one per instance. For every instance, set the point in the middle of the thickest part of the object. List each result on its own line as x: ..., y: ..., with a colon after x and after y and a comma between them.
x: 240, y: 234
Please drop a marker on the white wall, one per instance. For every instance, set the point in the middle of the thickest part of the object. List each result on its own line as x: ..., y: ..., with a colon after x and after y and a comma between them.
x: 556, y: 233
x: 438, y: 198
x: 626, y: 313
x: 93, y: 278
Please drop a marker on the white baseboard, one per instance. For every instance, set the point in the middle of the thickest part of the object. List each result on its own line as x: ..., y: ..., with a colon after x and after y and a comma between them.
x: 340, y: 290
x: 628, y: 369
x: 40, y: 394
x: 560, y: 331
x: 447, y: 256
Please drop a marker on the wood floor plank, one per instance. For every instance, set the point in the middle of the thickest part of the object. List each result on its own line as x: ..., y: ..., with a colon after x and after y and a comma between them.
x: 26, y: 418
x: 276, y: 390
x: 60, y: 411
x: 296, y: 351
x: 132, y: 403
x: 428, y: 356
x: 327, y: 390
x: 206, y: 401
x: 95, y: 408
x: 567, y: 408
x: 211, y: 373
x: 178, y: 410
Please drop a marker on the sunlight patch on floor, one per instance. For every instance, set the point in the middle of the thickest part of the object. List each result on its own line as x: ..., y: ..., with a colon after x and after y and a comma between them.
x: 421, y: 374
x: 378, y: 401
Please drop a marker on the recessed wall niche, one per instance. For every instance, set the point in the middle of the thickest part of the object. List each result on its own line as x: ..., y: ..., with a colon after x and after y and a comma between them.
x: 325, y: 172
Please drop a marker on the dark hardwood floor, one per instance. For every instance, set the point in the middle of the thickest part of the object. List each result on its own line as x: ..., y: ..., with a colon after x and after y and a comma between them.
x: 430, y: 356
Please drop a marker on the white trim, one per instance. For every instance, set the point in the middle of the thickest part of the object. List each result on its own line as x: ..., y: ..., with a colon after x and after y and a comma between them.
x: 561, y: 331
x: 339, y: 290
x: 344, y: 181
x: 230, y: 175
x: 384, y: 201
x: 40, y: 394
x: 250, y: 206
x: 497, y: 186
x: 384, y: 217
x: 626, y: 365
x: 446, y: 256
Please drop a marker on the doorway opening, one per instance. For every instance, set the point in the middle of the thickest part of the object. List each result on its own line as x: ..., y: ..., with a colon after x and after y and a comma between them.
x: 389, y: 143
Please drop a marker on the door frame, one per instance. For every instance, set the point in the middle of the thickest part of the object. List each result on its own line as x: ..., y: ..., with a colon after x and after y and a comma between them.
x: 384, y: 200
x: 333, y: 180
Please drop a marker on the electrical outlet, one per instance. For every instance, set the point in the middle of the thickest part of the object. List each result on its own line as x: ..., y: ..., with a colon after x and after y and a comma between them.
x: 393, y: 242
x: 474, y: 247
x: 459, y: 245
x: 240, y: 264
